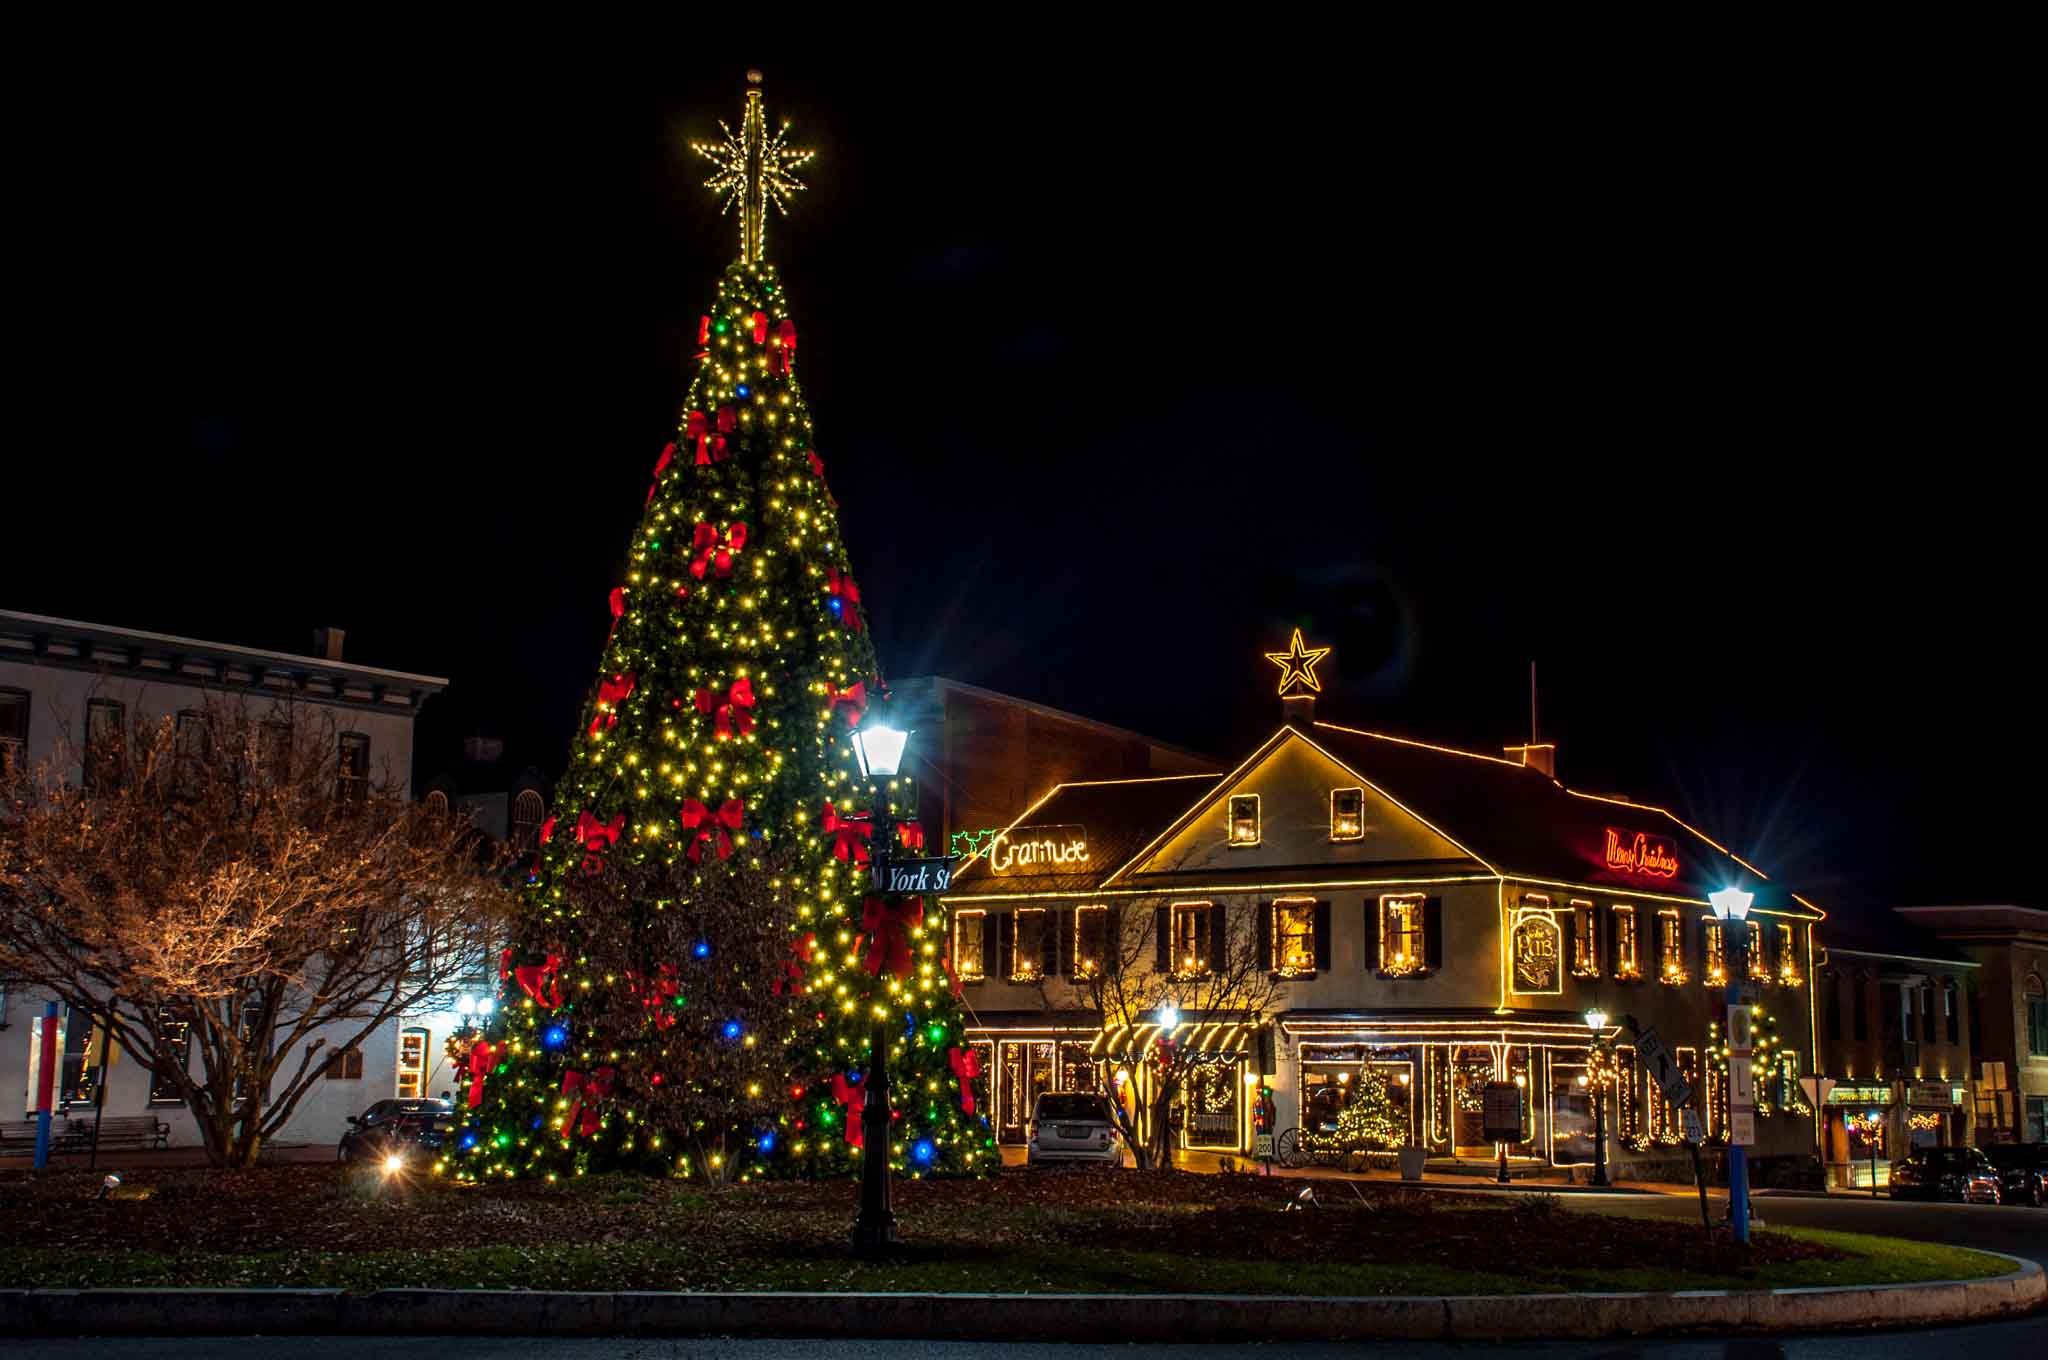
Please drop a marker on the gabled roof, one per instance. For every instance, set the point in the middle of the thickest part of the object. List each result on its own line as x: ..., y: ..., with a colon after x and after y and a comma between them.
x: 1121, y: 815
x: 1524, y: 824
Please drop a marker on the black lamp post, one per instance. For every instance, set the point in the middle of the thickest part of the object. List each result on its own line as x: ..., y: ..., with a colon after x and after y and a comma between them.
x: 880, y: 751
x: 1596, y: 1020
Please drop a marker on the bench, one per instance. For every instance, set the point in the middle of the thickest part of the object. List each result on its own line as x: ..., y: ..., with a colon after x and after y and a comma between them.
x: 120, y: 1130
x: 75, y: 1135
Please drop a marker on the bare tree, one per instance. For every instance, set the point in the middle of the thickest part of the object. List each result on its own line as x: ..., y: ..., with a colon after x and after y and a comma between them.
x: 1219, y: 973
x: 235, y: 884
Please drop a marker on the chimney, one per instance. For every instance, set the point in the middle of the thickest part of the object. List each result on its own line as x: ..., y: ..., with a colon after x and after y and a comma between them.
x: 1298, y: 709
x: 1537, y: 755
x: 327, y: 643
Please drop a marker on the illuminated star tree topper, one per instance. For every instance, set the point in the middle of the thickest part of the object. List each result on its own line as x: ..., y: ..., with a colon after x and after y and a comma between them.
x: 1298, y: 666
x: 753, y: 170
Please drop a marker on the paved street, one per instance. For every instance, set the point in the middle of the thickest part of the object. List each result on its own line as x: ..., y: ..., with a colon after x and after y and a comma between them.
x: 2021, y: 1232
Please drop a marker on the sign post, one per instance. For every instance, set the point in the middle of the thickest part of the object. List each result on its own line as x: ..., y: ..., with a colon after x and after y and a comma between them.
x: 1501, y: 1116
x: 1677, y: 1092
x: 45, y: 1061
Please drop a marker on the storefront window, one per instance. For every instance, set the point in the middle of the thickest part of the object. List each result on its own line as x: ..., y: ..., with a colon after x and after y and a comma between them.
x: 1078, y: 1071
x: 1324, y: 1089
x: 968, y: 963
x: 1091, y: 941
x: 1028, y: 952
x: 1347, y: 814
x: 412, y: 1064
x: 1670, y: 948
x: 80, y: 1077
x: 1585, y: 941
x: 1623, y: 923
x: 1401, y: 935
x: 1209, y: 1103
x: 1191, y: 935
x: 1244, y: 819
x: 1294, y: 936
x: 173, y: 1037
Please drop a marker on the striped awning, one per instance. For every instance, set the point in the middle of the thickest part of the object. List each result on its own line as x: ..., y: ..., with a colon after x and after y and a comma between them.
x: 1192, y: 1036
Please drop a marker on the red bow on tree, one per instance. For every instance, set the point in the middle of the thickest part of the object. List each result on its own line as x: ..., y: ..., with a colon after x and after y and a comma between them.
x: 482, y: 1058
x: 539, y: 981
x: 849, y: 1097
x: 714, y: 552
x: 760, y: 320
x: 732, y: 712
x: 850, y: 703
x: 782, y: 353
x: 547, y: 831
x: 707, y: 824
x: 850, y: 835
x: 889, y: 924
x: 698, y: 428
x: 817, y: 463
x: 966, y: 1065
x: 839, y: 585
x: 910, y: 835
x: 585, y: 1089
x: 618, y: 603
x: 654, y: 995
x: 610, y: 694
x: 596, y: 837
x: 703, y: 330
x: 661, y: 465
x: 793, y: 967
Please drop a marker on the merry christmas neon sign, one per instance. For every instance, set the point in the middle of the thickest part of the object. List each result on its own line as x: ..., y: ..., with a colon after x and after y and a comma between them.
x: 1632, y: 852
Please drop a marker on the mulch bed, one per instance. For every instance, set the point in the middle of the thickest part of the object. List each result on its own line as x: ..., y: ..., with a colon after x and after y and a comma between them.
x: 1224, y: 1218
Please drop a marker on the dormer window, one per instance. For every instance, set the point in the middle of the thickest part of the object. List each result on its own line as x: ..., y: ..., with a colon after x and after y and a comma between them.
x: 1347, y: 814
x: 1244, y: 819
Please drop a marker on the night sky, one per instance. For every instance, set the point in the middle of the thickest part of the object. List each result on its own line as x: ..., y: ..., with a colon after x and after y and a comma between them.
x: 1701, y: 392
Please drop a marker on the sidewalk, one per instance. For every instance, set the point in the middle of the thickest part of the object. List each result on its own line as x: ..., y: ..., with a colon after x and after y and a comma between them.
x: 1522, y: 1179
x: 133, y: 1159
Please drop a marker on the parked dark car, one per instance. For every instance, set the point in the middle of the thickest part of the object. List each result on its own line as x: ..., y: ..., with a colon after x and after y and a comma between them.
x: 1957, y: 1173
x: 2022, y: 1171
x: 392, y: 1127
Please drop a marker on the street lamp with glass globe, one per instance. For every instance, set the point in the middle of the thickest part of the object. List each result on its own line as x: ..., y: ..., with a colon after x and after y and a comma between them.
x: 1597, y: 1064
x: 1731, y: 908
x: 879, y: 748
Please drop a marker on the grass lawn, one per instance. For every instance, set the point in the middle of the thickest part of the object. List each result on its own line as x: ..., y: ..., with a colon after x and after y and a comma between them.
x: 1111, y: 1231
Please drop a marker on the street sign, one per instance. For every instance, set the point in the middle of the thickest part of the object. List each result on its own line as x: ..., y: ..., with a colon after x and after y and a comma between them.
x: 1741, y: 1029
x: 1501, y: 1114
x: 1817, y: 1090
x: 1262, y: 1145
x: 1741, y: 1083
x: 1689, y: 1126
x: 1663, y: 1069
x: 913, y: 875
x: 1742, y: 1127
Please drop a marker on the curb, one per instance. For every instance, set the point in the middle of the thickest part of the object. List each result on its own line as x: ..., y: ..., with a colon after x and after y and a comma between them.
x: 1017, y: 1317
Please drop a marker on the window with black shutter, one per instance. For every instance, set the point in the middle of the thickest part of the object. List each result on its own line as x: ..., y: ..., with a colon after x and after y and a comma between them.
x: 13, y: 730
x: 1162, y: 940
x: 1325, y: 946
x: 1057, y: 960
x: 1402, y: 934
x: 352, y: 768
x: 1219, y: 939
x: 1027, y: 952
x: 1433, y: 934
x: 1006, y: 944
x: 1625, y: 962
x: 1193, y: 938
x: 969, y: 959
x: 1834, y: 1006
x: 1262, y: 932
x: 1293, y: 922
x: 105, y: 721
x: 1091, y: 941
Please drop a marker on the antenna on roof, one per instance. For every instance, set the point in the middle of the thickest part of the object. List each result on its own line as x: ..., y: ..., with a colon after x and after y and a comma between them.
x: 1538, y: 754
x: 1535, y: 734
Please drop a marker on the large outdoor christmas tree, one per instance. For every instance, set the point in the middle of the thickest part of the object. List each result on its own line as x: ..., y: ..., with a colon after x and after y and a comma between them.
x: 701, y: 968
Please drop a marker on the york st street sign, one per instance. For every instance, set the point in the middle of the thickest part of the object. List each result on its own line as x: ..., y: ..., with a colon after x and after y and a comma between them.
x: 913, y: 875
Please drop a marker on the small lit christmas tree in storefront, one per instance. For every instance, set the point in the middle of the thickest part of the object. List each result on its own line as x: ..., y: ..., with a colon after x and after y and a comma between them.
x: 702, y: 966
